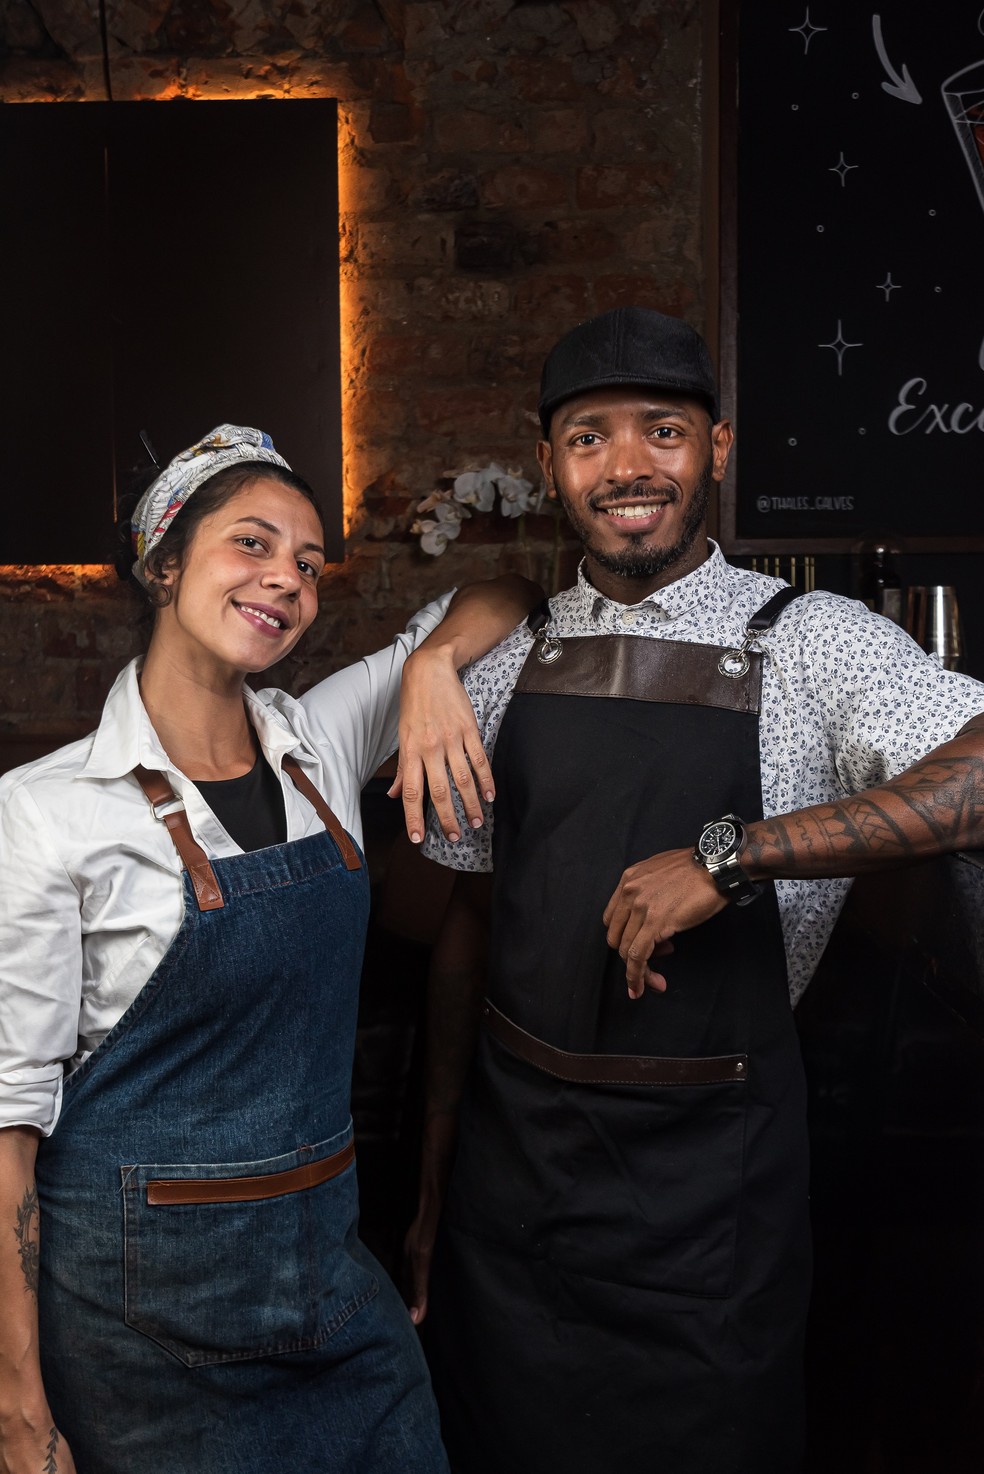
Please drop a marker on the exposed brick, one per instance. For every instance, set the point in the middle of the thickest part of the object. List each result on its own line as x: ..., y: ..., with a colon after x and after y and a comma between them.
x: 92, y: 683
x: 562, y: 300
x: 444, y: 411
x: 643, y: 134
x: 27, y: 688
x: 448, y: 190
x: 425, y: 28
x: 645, y: 290
x: 443, y: 354
x: 363, y: 190
x: 383, y: 408
x: 559, y: 131
x: 365, y: 31
x: 485, y: 245
x: 20, y: 28
x: 622, y: 186
x: 551, y: 81
x: 512, y: 357
x: 405, y: 241
x: 521, y: 185
x: 44, y: 80
x: 461, y: 298
x: 600, y: 25
x: 571, y: 240
x: 465, y: 131
x: 392, y: 122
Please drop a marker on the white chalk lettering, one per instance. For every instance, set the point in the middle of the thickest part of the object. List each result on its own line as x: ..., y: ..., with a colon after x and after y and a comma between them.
x: 909, y: 415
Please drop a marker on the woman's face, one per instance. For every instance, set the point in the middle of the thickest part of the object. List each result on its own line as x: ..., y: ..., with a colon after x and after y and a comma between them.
x: 248, y: 588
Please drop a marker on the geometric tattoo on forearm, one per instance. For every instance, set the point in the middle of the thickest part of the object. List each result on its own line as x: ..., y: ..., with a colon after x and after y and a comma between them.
x: 27, y: 1234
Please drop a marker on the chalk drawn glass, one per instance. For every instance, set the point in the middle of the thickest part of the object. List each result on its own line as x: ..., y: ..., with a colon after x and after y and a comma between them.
x: 963, y: 94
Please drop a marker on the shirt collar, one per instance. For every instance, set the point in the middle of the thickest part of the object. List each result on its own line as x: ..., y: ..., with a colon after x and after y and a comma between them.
x: 705, y: 588
x: 125, y: 738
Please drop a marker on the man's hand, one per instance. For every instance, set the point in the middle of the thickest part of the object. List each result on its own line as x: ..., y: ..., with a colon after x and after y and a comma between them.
x: 438, y: 733
x: 652, y: 902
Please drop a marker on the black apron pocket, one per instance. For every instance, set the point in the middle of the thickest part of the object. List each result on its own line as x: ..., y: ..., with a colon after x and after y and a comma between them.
x: 637, y: 1185
x: 267, y: 1272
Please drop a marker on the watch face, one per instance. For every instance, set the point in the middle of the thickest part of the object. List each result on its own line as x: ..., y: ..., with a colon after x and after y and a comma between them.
x: 717, y: 839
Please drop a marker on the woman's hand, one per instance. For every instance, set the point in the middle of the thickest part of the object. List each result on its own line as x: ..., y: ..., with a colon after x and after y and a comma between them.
x: 34, y: 1446
x: 438, y: 733
x: 438, y: 730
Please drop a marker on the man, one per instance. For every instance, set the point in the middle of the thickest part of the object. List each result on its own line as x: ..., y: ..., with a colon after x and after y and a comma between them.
x: 622, y: 1274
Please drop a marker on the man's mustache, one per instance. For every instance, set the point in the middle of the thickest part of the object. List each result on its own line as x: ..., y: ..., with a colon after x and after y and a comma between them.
x: 630, y: 491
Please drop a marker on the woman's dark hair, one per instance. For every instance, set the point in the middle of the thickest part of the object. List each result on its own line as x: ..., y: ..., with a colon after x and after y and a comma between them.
x: 210, y: 497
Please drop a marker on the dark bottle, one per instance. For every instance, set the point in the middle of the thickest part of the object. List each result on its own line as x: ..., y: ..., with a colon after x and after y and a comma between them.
x: 879, y: 585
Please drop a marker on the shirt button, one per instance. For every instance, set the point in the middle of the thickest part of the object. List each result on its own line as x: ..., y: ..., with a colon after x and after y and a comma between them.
x: 629, y: 616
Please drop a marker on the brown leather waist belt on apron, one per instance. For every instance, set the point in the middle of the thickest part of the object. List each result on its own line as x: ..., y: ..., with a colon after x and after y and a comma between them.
x: 249, y: 1189
x: 612, y: 1069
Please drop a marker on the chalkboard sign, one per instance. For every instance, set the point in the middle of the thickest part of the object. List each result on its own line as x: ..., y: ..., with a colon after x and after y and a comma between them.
x: 852, y: 306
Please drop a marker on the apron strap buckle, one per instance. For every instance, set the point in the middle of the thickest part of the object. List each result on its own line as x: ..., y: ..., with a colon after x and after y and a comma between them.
x: 160, y: 794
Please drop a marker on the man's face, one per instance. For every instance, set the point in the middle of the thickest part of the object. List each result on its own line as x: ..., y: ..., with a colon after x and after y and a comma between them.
x: 632, y: 469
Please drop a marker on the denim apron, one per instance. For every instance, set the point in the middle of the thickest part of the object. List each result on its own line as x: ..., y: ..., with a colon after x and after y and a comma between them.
x: 205, y: 1303
x: 622, y: 1276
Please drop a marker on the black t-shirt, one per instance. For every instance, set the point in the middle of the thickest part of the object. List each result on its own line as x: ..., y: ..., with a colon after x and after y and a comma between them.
x: 250, y: 809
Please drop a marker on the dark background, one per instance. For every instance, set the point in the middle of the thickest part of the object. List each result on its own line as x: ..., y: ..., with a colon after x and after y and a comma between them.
x: 813, y: 251
x: 177, y: 267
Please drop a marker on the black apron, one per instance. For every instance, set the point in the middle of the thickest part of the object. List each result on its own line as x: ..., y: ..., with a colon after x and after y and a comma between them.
x: 622, y: 1276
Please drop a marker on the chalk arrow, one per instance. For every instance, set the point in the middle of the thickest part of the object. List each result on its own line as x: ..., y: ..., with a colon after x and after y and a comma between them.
x: 902, y: 87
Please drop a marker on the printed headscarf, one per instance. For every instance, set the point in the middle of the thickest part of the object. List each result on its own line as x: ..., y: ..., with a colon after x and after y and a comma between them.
x: 164, y: 498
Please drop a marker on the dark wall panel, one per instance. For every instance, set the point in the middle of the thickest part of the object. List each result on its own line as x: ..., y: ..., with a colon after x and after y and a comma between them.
x: 205, y: 289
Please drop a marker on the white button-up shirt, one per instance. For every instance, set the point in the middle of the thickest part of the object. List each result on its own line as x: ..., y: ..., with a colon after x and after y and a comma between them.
x: 848, y: 701
x: 91, y: 894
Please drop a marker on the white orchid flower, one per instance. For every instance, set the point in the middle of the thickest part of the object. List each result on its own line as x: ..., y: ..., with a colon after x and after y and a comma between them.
x: 514, y: 494
x: 475, y: 489
x: 437, y: 531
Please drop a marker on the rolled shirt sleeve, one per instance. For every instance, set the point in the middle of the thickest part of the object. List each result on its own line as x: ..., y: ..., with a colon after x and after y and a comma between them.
x: 40, y: 964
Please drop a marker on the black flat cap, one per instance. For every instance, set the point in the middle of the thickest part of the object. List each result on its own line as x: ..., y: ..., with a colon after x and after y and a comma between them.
x: 629, y: 345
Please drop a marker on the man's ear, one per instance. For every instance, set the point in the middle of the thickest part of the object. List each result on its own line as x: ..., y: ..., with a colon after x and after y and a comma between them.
x: 545, y: 456
x: 722, y: 439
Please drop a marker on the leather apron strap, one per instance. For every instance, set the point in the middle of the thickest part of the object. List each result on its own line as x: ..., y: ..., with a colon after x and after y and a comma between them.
x: 193, y: 857
x: 208, y: 892
x: 341, y: 837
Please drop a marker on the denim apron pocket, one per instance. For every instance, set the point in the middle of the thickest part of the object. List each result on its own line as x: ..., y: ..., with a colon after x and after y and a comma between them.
x: 268, y: 1271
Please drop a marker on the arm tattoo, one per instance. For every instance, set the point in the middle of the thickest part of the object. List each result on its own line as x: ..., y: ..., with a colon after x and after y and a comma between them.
x: 27, y: 1234
x: 51, y: 1462
x: 934, y: 807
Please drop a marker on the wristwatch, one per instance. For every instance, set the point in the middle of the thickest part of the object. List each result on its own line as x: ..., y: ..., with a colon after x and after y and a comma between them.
x: 719, y: 851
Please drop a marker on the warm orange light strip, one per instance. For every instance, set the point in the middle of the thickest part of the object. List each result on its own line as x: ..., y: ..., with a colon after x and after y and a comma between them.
x: 64, y: 574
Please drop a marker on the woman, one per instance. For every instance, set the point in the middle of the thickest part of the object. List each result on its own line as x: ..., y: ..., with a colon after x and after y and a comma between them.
x: 182, y: 925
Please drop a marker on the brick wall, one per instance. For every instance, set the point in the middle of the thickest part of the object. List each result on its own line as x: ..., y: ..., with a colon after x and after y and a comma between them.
x: 506, y: 168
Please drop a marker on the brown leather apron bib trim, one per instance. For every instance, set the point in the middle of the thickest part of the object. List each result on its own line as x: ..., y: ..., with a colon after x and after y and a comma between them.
x: 640, y: 669
x: 612, y: 1069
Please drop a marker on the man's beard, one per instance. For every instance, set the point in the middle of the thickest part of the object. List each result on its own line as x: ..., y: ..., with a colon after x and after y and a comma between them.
x: 634, y: 559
